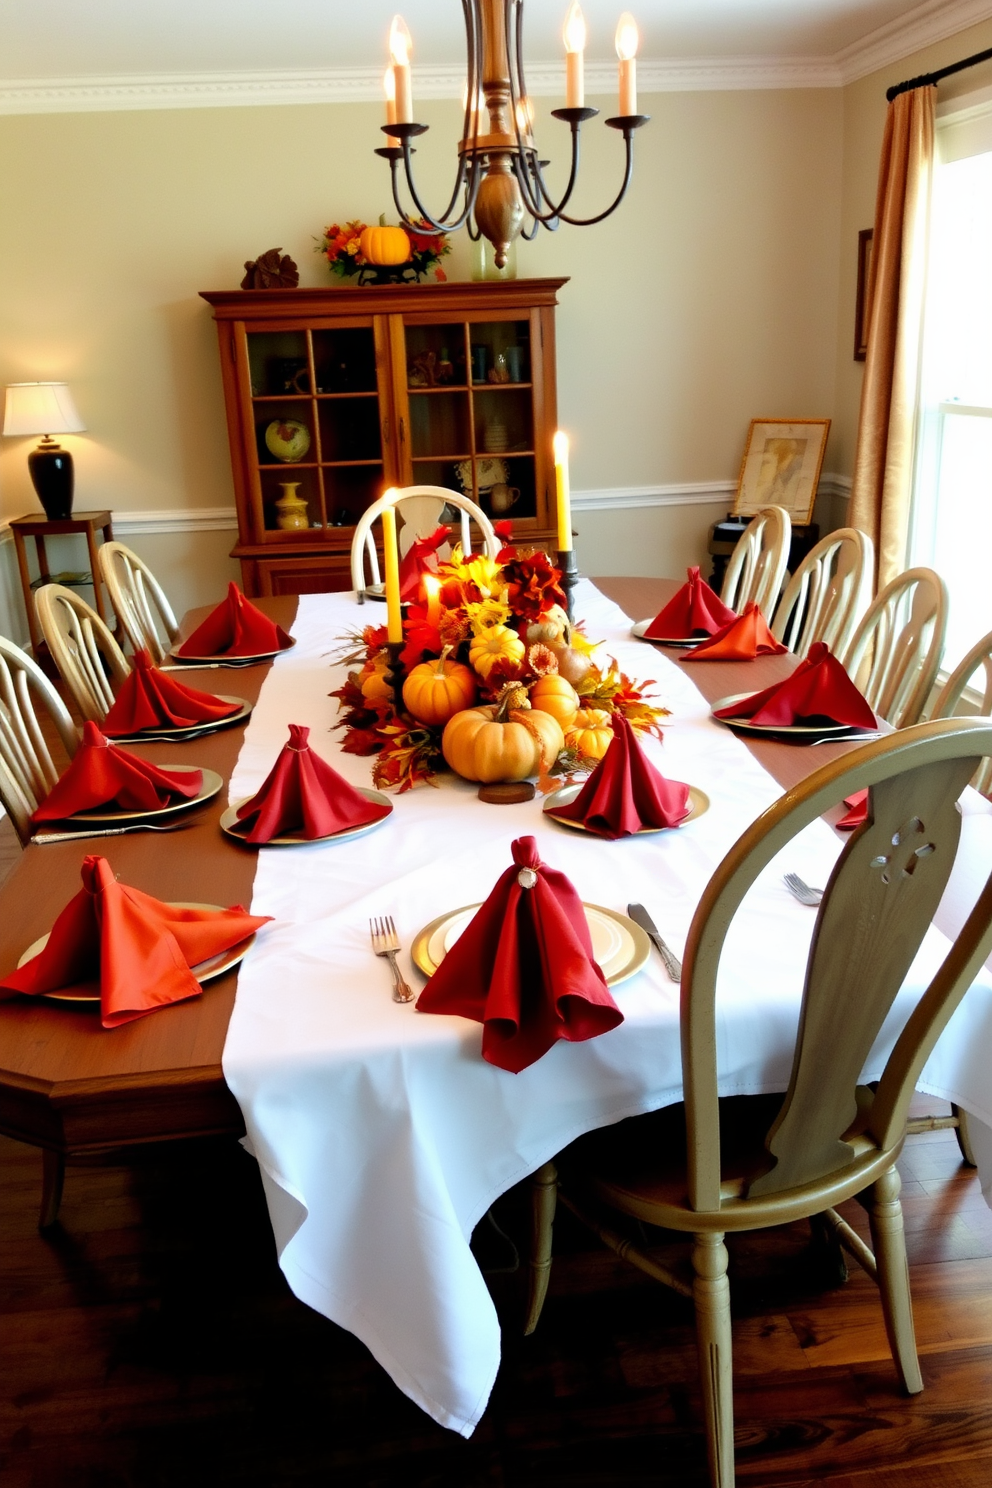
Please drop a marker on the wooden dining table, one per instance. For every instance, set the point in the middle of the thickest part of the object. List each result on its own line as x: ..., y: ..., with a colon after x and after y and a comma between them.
x: 73, y: 1088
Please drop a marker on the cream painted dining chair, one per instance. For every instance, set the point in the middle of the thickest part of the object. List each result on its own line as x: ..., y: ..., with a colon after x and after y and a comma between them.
x: 895, y: 652
x: 422, y: 508
x: 27, y: 769
x: 827, y: 594
x: 953, y: 691
x: 145, y: 615
x: 757, y: 565
x: 708, y: 1167
x: 90, y: 662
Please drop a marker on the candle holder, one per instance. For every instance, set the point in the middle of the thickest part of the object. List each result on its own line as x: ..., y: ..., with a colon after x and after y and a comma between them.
x: 396, y: 671
x: 569, y: 577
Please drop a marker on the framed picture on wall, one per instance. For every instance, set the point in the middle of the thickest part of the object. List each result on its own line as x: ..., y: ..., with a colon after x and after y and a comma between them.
x: 781, y: 466
x: 865, y: 239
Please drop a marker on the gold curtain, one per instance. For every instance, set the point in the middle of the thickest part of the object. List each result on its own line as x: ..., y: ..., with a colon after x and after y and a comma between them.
x: 883, y: 464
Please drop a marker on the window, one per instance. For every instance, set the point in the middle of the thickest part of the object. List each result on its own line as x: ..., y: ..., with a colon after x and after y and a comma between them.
x: 953, y: 489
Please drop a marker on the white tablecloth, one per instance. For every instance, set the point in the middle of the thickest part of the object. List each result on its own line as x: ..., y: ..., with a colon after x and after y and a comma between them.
x: 381, y: 1134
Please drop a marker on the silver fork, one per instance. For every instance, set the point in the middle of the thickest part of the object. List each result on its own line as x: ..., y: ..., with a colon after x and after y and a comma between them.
x: 802, y: 891
x: 385, y: 942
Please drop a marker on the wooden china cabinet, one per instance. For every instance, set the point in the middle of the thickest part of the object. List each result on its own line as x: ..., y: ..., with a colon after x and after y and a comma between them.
x: 398, y: 385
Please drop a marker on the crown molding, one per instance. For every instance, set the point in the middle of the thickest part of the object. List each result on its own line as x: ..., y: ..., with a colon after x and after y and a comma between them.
x: 920, y: 27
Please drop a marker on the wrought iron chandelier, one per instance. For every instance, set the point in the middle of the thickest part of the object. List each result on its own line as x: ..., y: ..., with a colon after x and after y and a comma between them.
x: 500, y: 191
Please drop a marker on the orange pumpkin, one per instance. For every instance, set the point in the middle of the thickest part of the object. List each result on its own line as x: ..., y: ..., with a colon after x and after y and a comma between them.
x: 496, y: 643
x: 384, y: 245
x: 478, y: 745
x: 435, y: 691
x: 552, y: 694
x: 373, y: 681
x: 591, y: 733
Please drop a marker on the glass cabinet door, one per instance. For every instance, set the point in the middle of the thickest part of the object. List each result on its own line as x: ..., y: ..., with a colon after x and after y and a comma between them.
x: 472, y: 421
x: 317, y: 428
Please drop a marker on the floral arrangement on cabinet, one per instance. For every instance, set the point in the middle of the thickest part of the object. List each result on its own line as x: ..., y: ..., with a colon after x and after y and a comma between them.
x: 499, y: 685
x: 356, y: 250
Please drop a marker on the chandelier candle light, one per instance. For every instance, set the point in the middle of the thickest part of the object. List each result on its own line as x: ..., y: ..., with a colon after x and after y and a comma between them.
x: 500, y: 192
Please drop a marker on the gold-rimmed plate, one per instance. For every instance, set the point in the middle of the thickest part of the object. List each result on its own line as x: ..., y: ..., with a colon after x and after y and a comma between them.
x: 112, y: 816
x: 699, y: 803
x: 620, y: 946
x: 204, y: 971
x: 162, y: 731
x: 222, y: 659
x: 229, y: 823
x: 799, y: 731
x: 681, y: 643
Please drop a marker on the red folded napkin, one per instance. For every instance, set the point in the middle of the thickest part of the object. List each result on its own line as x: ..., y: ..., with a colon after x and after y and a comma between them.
x: 138, y: 949
x: 858, y: 812
x: 416, y: 562
x: 625, y: 792
x: 524, y: 967
x: 235, y: 628
x: 819, y: 689
x: 742, y: 639
x: 303, y: 794
x: 102, y: 774
x: 695, y: 610
x: 149, y: 699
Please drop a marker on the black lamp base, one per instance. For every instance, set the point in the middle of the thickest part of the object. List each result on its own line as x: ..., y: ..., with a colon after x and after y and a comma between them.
x: 52, y: 475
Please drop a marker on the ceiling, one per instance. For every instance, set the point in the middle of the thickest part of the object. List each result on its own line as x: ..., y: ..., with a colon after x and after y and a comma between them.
x: 62, y: 39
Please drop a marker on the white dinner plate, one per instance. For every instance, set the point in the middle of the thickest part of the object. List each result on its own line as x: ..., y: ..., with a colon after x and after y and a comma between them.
x: 639, y: 632
x: 222, y: 659
x: 699, y: 802
x: 167, y: 733
x: 620, y: 947
x: 204, y: 971
x: 105, y: 816
x: 229, y: 823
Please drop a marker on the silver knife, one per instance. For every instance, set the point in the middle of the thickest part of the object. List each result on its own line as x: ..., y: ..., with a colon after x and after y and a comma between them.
x: 640, y: 916
x: 41, y: 839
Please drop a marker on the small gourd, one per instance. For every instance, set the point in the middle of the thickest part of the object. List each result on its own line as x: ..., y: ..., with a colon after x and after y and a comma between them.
x: 496, y: 643
x: 375, y: 687
x: 591, y: 733
x: 384, y: 245
x: 496, y: 743
x: 435, y: 691
x: 554, y: 695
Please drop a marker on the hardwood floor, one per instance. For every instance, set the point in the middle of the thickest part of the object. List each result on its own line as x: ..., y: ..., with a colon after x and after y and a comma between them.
x: 149, y: 1341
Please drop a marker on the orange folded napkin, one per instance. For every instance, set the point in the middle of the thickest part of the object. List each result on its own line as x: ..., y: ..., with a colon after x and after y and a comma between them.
x: 742, y: 639
x: 695, y: 610
x: 138, y: 949
x: 235, y: 628
x: 524, y: 967
x: 858, y: 812
x: 102, y: 774
x: 819, y: 690
x: 416, y: 562
x: 625, y: 792
x: 149, y: 699
x: 303, y: 794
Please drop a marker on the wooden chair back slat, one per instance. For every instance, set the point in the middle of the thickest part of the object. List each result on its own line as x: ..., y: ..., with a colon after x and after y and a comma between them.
x: 758, y: 563
x: 827, y: 594
x: 140, y: 604
x: 425, y: 505
x: 89, y: 660
x: 980, y: 656
x: 29, y: 771
x: 896, y: 650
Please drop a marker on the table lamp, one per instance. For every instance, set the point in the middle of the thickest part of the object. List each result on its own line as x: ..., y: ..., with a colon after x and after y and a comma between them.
x: 45, y: 408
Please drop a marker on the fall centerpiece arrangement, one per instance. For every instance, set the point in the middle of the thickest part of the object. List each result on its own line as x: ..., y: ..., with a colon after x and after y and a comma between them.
x: 383, y: 254
x: 498, y: 684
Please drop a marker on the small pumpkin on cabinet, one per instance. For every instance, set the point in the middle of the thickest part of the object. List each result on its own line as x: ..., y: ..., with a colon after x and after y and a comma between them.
x: 384, y: 245
x: 435, y: 691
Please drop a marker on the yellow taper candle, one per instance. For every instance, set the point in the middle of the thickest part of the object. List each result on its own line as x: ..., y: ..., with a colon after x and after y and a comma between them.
x: 390, y: 553
x: 560, y: 446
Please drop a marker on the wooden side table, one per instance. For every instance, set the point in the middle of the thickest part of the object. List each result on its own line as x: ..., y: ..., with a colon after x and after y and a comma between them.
x: 40, y: 528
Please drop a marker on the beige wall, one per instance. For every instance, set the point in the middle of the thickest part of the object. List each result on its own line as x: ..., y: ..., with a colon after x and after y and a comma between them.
x: 711, y: 296
x: 864, y: 120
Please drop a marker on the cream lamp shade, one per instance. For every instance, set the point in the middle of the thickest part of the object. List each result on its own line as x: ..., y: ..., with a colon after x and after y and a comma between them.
x: 45, y: 408
x: 40, y: 408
